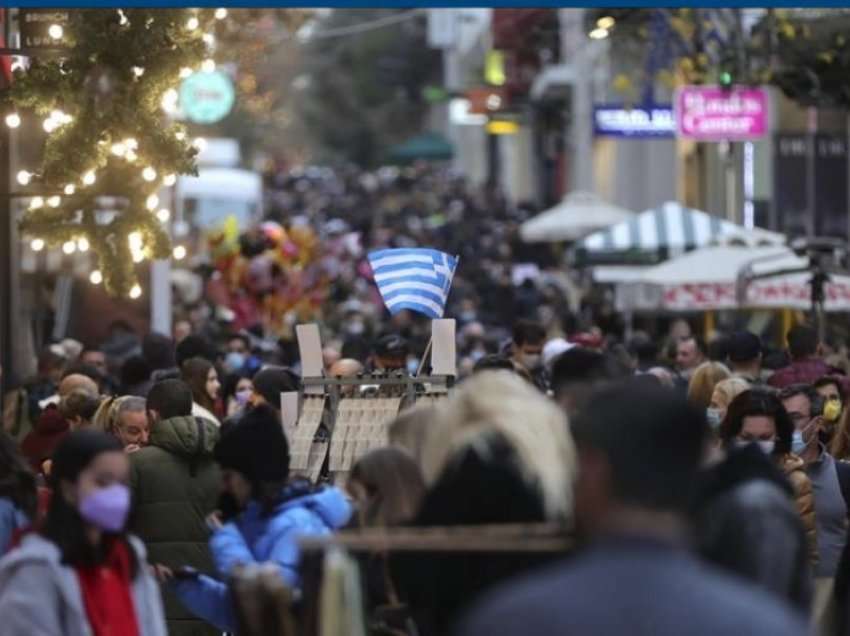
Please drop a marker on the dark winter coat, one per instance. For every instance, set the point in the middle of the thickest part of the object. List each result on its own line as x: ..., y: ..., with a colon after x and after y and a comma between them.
x: 176, y: 484
x: 50, y: 428
x: 746, y: 522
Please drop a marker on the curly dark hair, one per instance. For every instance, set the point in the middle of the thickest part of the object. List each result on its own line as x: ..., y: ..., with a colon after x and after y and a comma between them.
x: 758, y: 402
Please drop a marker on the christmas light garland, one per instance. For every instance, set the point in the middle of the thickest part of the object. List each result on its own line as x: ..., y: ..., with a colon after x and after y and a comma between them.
x: 105, y: 103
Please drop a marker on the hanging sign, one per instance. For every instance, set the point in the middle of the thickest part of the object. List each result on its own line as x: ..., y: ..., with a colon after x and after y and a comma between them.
x: 712, y: 113
x: 36, y: 26
x: 638, y: 122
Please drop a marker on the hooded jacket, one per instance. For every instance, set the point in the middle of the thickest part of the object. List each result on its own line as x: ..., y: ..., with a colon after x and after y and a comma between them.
x: 745, y: 520
x: 40, y: 595
x: 175, y: 484
x: 257, y: 538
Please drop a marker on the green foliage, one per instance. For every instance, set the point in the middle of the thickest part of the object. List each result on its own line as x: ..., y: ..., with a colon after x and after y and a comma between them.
x: 111, y: 83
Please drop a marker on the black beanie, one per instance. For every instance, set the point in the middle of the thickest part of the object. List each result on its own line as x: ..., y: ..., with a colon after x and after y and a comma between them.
x: 256, y: 446
x: 272, y: 381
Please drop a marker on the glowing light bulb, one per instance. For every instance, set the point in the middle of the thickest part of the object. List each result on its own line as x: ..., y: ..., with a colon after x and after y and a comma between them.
x: 69, y: 247
x: 96, y: 278
x: 134, y: 239
x: 192, y: 23
x: 131, y: 156
x: 54, y: 201
x: 37, y: 245
x: 89, y: 178
x: 138, y: 71
x: 180, y: 135
x: 122, y: 19
x: 119, y: 149
x: 56, y: 31
x: 208, y: 65
x: 49, y: 125
x: 24, y: 177
x: 208, y: 38
x: 169, y: 100
x: 13, y: 120
x: 179, y: 252
x: 136, y: 291
x: 169, y: 179
x: 56, y: 115
x: 66, y: 118
x: 36, y: 203
x: 131, y: 143
x: 200, y: 143
x: 138, y: 256
x: 152, y: 202
x: 83, y: 244
x: 149, y: 174
x: 70, y: 189
x: 220, y: 14
x: 163, y: 215
x: 185, y: 72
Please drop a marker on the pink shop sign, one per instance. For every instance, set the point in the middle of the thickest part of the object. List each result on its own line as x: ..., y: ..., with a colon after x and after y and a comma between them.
x: 710, y: 113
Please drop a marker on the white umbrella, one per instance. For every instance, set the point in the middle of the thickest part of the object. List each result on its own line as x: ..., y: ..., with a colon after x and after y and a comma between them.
x: 579, y: 214
x: 707, y: 279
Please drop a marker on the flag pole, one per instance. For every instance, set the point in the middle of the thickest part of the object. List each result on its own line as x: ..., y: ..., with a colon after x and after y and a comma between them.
x: 431, y: 337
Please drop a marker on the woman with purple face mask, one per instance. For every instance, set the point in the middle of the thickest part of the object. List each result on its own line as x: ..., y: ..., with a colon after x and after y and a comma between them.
x: 82, y: 573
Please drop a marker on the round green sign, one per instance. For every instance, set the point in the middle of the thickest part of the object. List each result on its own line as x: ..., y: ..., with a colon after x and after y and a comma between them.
x: 206, y: 98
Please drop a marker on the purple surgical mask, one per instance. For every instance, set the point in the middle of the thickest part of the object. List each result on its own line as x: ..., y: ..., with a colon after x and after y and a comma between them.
x: 243, y: 396
x: 107, y: 508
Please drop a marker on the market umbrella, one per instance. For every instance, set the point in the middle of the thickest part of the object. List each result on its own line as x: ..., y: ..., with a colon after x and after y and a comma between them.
x: 427, y: 146
x: 579, y: 214
x: 707, y: 279
x: 667, y: 229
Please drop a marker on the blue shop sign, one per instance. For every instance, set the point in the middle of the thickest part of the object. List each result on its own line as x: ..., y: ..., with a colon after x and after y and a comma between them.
x: 640, y: 121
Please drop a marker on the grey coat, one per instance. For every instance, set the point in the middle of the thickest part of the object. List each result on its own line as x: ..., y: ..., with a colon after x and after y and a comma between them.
x: 40, y: 595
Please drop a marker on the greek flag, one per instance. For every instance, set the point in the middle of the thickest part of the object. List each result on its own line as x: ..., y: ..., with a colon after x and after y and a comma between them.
x: 417, y: 279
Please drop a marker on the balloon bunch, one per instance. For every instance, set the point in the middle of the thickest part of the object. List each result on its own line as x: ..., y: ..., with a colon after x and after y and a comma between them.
x: 270, y: 275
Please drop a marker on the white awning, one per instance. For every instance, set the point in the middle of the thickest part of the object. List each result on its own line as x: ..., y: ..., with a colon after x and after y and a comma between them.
x: 579, y: 214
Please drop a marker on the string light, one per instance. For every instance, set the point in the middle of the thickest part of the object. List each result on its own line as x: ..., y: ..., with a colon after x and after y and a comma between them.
x: 149, y: 174
x: 131, y: 143
x: 131, y: 156
x: 70, y: 189
x: 56, y: 31
x: 152, y: 202
x: 49, y: 125
x: 192, y: 23
x: 134, y: 240
x: 200, y: 143
x: 169, y: 179
x: 185, y: 72
x: 36, y: 203
x: 66, y: 118
x: 13, y: 120
x: 169, y: 100
x: 54, y: 201
x: 96, y: 278
x: 179, y: 252
x: 89, y: 178
x: 37, y: 245
x: 123, y: 21
x: 220, y: 14
x: 138, y: 257
x: 138, y: 71
x: 69, y: 247
x: 208, y: 65
x: 208, y: 39
x: 24, y: 177
x: 83, y: 244
x: 180, y: 135
x: 119, y: 149
x: 163, y: 215
x: 136, y: 291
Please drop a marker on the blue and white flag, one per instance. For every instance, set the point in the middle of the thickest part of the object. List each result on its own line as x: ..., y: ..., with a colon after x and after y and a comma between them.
x: 417, y: 279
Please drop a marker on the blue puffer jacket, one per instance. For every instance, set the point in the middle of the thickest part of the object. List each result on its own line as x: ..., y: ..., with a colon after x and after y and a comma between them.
x: 254, y: 538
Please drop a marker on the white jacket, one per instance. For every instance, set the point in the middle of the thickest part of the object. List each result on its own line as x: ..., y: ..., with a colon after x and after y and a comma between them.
x: 39, y: 595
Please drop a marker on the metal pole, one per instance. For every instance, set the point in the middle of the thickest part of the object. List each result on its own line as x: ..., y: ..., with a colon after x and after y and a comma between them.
x: 6, y: 249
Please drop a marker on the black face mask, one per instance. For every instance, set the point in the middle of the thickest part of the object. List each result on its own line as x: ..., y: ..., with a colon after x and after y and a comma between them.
x: 228, y: 506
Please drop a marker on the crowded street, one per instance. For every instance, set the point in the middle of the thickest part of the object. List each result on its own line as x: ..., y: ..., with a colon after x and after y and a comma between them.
x: 424, y: 322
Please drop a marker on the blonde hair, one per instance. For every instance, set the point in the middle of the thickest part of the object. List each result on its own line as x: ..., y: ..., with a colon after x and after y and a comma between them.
x: 703, y: 381
x: 501, y: 402
x: 106, y: 417
x: 410, y: 429
x: 731, y: 388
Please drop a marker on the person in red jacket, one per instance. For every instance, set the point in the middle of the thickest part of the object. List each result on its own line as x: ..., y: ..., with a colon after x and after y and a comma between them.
x: 50, y: 429
x: 806, y: 366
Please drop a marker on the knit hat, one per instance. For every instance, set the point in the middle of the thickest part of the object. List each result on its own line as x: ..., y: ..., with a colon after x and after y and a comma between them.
x: 272, y: 381
x: 255, y: 446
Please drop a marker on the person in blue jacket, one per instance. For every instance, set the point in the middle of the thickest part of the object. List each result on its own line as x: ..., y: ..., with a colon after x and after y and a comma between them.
x: 262, y: 514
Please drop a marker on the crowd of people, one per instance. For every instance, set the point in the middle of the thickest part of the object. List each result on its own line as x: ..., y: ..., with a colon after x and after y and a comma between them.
x: 700, y: 492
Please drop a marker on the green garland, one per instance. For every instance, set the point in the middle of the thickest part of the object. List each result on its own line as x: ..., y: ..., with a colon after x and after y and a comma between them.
x: 111, y: 82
